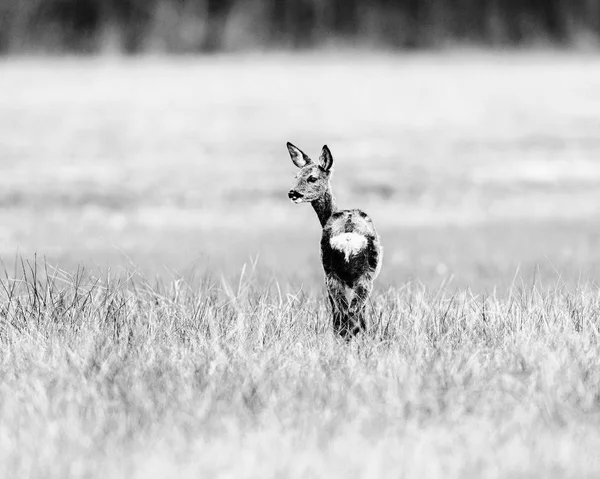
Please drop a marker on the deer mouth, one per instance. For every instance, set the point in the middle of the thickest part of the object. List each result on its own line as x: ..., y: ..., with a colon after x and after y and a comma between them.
x: 295, y: 196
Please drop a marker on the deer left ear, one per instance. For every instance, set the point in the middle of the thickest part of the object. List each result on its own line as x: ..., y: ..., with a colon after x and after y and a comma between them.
x: 298, y: 156
x: 326, y: 160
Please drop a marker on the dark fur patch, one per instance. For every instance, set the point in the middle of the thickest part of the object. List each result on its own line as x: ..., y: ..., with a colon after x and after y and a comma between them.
x: 334, y: 262
x: 349, y: 226
x: 359, y: 264
x: 373, y: 253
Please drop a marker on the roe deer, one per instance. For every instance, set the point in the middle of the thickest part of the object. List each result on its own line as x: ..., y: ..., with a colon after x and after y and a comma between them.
x: 351, y: 250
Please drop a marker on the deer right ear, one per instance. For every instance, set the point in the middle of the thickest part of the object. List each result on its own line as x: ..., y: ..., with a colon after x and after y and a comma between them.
x: 298, y: 156
x: 326, y: 159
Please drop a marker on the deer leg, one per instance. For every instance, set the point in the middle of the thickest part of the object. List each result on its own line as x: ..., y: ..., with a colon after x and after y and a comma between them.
x: 339, y: 306
x: 357, y: 306
x: 356, y: 321
x: 340, y: 320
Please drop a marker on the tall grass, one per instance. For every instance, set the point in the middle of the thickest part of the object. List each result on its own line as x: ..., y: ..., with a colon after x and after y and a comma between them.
x: 108, y: 377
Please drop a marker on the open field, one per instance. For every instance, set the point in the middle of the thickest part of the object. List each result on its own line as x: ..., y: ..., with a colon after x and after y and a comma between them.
x: 472, y: 166
x: 482, y: 174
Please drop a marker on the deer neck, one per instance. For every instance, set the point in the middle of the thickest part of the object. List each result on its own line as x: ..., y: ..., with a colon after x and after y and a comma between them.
x: 324, y: 206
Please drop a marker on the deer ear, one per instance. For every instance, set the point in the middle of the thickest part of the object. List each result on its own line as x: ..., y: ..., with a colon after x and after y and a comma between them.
x: 326, y: 160
x: 298, y: 156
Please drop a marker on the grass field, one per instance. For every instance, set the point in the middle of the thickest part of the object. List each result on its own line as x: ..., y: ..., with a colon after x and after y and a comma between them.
x: 167, y: 357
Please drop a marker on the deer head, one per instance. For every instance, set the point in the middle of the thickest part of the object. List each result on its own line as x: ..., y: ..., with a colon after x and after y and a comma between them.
x: 313, y: 178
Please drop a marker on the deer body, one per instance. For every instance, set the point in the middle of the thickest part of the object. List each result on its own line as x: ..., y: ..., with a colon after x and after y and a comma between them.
x: 351, y: 250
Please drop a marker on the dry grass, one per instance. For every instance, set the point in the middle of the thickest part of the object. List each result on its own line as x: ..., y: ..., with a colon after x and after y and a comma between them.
x: 102, y: 378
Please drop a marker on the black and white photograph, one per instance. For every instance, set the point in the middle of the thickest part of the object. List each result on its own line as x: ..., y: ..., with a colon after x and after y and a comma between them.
x: 299, y: 239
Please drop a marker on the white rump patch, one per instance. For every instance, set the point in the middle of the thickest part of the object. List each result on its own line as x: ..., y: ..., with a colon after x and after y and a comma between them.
x: 348, y: 243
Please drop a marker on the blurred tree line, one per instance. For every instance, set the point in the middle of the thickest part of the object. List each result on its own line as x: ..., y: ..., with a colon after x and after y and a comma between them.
x: 133, y: 26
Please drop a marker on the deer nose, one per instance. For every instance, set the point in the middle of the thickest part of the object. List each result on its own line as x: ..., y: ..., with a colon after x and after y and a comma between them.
x: 294, y: 195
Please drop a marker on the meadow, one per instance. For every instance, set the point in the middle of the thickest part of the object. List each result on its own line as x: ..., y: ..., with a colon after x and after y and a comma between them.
x: 162, y: 310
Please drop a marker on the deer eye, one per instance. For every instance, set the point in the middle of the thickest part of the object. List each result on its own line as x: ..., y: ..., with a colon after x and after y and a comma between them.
x: 312, y: 179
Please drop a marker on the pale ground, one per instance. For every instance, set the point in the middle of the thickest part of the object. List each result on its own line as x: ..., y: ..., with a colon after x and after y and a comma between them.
x: 473, y: 166
x: 481, y: 171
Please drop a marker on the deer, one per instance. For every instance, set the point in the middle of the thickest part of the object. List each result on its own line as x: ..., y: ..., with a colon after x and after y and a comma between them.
x: 351, y: 251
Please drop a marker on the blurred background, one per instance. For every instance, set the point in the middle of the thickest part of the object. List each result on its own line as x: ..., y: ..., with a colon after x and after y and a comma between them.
x: 151, y: 134
x: 135, y: 26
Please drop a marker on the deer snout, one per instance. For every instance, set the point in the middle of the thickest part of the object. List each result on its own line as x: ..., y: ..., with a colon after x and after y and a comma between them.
x: 294, y: 195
